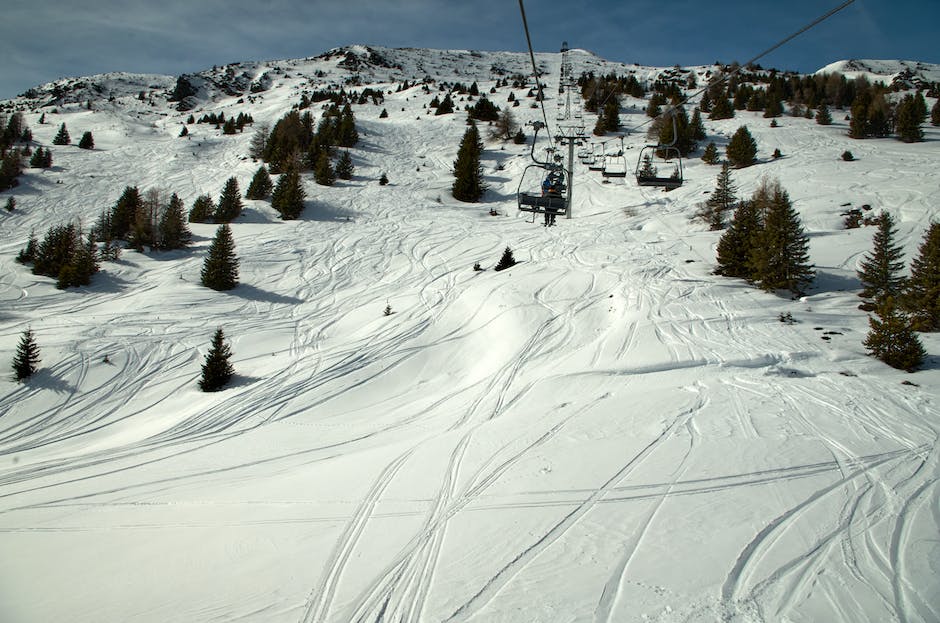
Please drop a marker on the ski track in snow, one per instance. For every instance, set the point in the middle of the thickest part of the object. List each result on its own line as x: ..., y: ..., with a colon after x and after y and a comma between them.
x: 523, y: 387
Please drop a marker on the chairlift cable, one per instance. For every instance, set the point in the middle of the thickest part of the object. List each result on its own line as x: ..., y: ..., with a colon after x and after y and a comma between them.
x: 725, y: 76
x: 535, y: 70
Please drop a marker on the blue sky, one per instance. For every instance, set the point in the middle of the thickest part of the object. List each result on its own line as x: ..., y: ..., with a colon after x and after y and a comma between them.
x: 42, y: 40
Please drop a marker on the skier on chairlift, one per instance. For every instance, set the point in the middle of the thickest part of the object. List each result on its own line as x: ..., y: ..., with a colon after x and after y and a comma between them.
x: 552, y: 186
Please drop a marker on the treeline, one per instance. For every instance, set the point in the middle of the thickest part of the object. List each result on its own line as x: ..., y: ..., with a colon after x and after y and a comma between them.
x: 295, y: 142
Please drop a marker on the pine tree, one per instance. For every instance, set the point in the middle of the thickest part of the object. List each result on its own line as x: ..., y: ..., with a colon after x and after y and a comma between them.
x: 56, y: 250
x: 323, y: 172
x: 892, y: 340
x: 921, y: 299
x: 446, y: 106
x: 27, y: 254
x: 721, y: 200
x: 908, y: 121
x: 742, y: 149
x: 468, y: 185
x: 935, y: 114
x: 125, y: 213
x: 87, y: 141
x: 735, y: 245
x: 220, y: 268
x: 288, y: 196
x: 41, y: 159
x: 203, y: 210
x: 506, y: 261
x: 711, y: 154
x: 344, y: 168
x: 721, y: 109
x: 230, y: 202
x: 26, y: 360
x: 217, y: 369
x: 80, y: 267
x: 11, y: 204
x: 173, y: 232
x: 184, y: 132
x: 880, y: 270
x: 823, y: 116
x: 697, y: 127
x: 779, y: 258
x: 62, y: 138
x: 261, y: 185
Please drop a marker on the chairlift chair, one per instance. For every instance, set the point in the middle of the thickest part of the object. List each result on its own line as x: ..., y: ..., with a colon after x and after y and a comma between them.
x: 598, y: 164
x: 543, y: 188
x: 616, y: 166
x: 652, y: 157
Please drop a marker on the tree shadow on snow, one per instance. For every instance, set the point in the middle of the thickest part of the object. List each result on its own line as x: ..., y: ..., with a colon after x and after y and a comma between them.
x: 827, y: 281
x: 44, y: 378
x: 325, y: 213
x: 251, y: 293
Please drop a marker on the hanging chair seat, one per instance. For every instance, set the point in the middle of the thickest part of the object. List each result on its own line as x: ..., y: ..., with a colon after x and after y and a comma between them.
x: 529, y: 202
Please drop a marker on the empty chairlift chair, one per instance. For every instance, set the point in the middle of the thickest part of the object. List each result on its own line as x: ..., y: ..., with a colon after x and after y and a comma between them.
x: 655, y: 157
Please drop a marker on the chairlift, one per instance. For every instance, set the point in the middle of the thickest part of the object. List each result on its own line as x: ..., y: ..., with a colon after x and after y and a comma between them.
x: 653, y: 157
x: 543, y: 188
x: 598, y: 164
x: 616, y: 165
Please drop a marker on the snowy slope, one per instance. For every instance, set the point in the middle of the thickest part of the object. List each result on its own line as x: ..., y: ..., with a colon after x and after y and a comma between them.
x: 605, y: 432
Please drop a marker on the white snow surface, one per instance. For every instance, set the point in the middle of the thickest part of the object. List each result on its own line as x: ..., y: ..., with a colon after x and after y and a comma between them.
x: 604, y: 432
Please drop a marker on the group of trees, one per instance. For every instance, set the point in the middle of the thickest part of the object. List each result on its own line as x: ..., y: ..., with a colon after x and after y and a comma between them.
x: 902, y: 305
x: 64, y: 254
x: 12, y: 131
x: 293, y: 142
x: 765, y: 242
x: 144, y: 219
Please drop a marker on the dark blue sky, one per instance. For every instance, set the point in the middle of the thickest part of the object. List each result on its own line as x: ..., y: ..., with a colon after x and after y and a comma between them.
x: 42, y: 40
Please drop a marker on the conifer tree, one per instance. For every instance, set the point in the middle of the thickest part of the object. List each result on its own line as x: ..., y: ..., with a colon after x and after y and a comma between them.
x: 921, y: 299
x: 346, y: 133
x: 880, y: 270
x: 721, y: 200
x: 217, y: 369
x: 468, y: 185
x: 220, y: 268
x: 697, y: 127
x: 56, y: 250
x: 323, y: 172
x: 81, y: 266
x: 721, y: 109
x: 735, y: 245
x: 27, y: 255
x: 203, y: 210
x: 935, y: 114
x: 506, y: 261
x: 26, y: 360
x: 446, y: 106
x: 779, y: 257
x: 892, y: 340
x: 823, y: 116
x: 173, y: 232
x: 230, y: 202
x: 288, y: 196
x: 11, y: 166
x: 87, y: 141
x: 908, y: 121
x: 62, y: 138
x: 125, y: 212
x: 742, y: 149
x: 184, y: 132
x: 261, y: 185
x: 711, y: 154
x: 11, y: 204
x: 344, y: 167
x: 41, y: 158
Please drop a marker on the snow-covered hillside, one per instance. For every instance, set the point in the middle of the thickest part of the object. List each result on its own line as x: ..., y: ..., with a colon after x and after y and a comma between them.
x: 605, y: 432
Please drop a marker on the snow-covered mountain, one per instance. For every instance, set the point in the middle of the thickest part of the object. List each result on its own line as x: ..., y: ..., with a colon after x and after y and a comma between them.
x: 605, y: 432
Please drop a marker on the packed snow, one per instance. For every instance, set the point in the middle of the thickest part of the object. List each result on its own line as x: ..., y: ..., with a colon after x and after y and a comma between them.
x: 604, y: 432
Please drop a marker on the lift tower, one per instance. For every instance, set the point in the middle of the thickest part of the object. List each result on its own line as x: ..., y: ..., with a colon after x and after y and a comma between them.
x: 570, y: 119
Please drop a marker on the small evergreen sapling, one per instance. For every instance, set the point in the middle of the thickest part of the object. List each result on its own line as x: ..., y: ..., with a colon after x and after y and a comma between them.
x: 87, y: 141
x: 217, y: 370
x: 62, y: 138
x: 26, y: 360
x: 506, y: 261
